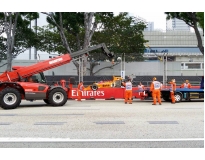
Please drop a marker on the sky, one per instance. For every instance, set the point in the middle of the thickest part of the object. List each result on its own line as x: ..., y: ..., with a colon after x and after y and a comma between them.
x: 151, y: 11
x: 159, y: 18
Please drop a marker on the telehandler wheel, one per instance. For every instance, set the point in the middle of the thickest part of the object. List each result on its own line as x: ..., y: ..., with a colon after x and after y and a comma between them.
x: 10, y: 98
x: 57, y: 97
x: 46, y: 101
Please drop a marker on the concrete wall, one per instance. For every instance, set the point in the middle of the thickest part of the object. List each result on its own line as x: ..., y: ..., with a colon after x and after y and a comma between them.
x: 137, y: 68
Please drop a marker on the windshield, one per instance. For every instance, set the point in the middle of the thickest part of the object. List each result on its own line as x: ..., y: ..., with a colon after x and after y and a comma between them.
x: 37, y: 78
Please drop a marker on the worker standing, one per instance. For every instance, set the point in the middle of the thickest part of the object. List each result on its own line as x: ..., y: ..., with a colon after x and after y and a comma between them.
x: 155, y: 88
x: 80, y: 89
x: 30, y: 79
x: 128, y: 91
x: 172, y: 90
x: 141, y: 90
x: 186, y: 84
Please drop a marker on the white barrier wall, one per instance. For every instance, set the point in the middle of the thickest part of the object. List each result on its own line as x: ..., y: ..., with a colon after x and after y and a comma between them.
x: 154, y: 68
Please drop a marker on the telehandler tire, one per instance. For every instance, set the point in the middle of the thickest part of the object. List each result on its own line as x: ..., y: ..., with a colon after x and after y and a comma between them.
x: 10, y: 98
x: 57, y: 97
x: 46, y: 101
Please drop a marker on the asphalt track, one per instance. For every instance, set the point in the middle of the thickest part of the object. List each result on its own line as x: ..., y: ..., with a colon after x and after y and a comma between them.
x: 103, y: 124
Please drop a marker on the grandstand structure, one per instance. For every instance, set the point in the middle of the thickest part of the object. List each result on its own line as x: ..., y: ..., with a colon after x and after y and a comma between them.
x: 175, y: 46
x: 174, y: 43
x: 171, y: 38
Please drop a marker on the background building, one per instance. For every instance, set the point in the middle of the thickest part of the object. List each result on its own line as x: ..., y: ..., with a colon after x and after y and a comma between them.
x: 150, y: 26
x: 177, y: 25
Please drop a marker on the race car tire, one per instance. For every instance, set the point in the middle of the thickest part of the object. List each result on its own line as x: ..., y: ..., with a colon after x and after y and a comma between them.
x: 10, y: 98
x: 166, y: 98
x: 57, y: 97
x: 94, y: 87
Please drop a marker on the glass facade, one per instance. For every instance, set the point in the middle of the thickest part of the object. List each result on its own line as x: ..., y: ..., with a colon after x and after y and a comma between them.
x: 192, y: 65
x: 172, y: 50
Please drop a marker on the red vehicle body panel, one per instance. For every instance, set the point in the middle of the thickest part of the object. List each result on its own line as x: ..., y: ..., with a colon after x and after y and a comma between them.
x: 27, y: 71
x: 110, y: 93
x: 102, y: 93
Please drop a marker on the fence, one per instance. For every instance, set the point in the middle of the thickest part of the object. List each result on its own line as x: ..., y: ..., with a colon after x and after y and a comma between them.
x: 146, y: 80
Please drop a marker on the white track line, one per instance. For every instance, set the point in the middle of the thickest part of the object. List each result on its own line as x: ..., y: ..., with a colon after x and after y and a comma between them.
x: 33, y: 139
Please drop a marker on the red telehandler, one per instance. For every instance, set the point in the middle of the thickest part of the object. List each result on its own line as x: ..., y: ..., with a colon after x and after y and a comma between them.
x: 14, y: 85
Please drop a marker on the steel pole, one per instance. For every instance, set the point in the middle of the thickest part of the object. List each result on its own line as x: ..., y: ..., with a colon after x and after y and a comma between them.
x: 79, y: 71
x: 166, y: 71
x: 35, y: 49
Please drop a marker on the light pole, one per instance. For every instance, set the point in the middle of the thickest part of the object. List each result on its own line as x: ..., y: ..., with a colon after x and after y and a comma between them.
x: 80, y: 68
x: 35, y: 49
x: 165, y: 69
x: 123, y: 66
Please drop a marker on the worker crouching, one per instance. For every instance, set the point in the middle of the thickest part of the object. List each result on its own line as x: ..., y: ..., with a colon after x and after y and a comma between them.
x: 141, y: 91
x: 155, y: 88
x: 80, y: 89
x: 172, y: 90
x: 128, y: 91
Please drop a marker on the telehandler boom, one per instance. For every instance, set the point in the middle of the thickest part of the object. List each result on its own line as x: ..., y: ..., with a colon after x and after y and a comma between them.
x: 14, y: 85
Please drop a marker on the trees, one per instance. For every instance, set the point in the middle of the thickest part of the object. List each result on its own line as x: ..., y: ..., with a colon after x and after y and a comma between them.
x: 16, y: 36
x: 80, y: 30
x: 9, y: 27
x: 123, y: 35
x: 200, y: 16
x: 191, y: 19
x: 76, y: 25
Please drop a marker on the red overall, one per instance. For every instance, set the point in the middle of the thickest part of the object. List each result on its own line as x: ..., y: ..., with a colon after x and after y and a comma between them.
x: 128, y: 92
x: 141, y: 91
x: 80, y: 89
x: 156, y: 91
x: 186, y: 85
x: 172, y: 89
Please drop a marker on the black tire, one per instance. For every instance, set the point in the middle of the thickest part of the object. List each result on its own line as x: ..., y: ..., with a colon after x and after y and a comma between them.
x: 46, y: 101
x: 166, y: 98
x: 178, y: 97
x: 94, y: 87
x: 10, y: 98
x: 57, y: 97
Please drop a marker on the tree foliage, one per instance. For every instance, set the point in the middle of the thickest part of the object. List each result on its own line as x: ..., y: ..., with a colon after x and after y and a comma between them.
x: 191, y: 19
x: 16, y: 34
x: 119, y: 33
x: 200, y: 16
x: 123, y: 35
x: 76, y: 29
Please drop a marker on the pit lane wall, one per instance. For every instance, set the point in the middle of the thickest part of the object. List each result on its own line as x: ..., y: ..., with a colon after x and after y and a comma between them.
x: 119, y: 93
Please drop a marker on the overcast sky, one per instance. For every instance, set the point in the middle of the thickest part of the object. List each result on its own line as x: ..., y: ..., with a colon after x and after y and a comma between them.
x: 159, y: 18
x: 151, y: 11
